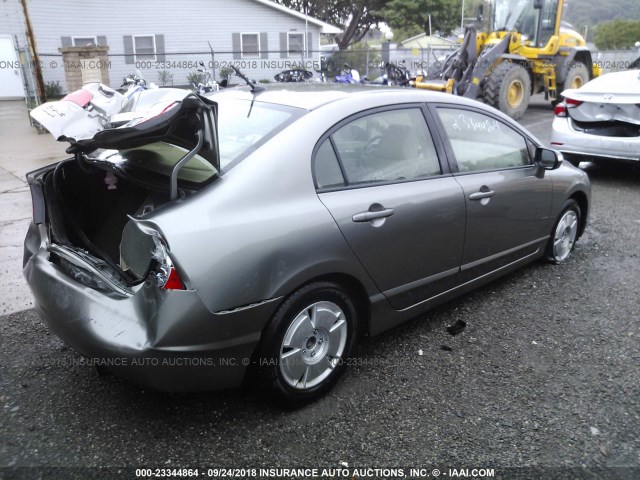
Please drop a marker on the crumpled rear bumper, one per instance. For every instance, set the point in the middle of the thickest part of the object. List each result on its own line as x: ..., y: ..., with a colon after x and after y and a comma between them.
x: 164, y: 339
x: 568, y: 140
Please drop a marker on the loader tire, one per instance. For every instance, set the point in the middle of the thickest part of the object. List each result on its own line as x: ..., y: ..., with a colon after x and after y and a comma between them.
x: 508, y: 88
x: 577, y: 76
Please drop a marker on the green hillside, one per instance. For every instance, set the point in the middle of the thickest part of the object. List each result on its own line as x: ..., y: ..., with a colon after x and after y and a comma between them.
x: 593, y: 12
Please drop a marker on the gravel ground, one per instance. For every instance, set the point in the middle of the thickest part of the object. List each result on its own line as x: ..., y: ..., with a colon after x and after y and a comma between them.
x: 546, y: 375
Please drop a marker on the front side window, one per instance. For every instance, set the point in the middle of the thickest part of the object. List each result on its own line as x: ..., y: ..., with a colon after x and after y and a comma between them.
x: 295, y: 43
x: 481, y: 142
x: 144, y: 47
x: 250, y: 45
x: 388, y: 146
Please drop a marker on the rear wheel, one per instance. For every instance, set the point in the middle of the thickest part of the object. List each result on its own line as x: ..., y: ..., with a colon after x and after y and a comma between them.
x: 577, y: 76
x: 564, y: 234
x: 508, y: 88
x: 305, y: 347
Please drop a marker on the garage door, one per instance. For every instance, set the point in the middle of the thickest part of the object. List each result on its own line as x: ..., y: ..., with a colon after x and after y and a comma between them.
x: 10, y: 75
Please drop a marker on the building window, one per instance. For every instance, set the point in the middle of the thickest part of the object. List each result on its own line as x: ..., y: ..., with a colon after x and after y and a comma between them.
x: 144, y: 47
x: 295, y: 44
x: 250, y: 45
x: 83, y: 41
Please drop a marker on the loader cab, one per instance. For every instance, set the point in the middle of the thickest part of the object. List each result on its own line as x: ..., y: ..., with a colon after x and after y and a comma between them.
x: 535, y: 20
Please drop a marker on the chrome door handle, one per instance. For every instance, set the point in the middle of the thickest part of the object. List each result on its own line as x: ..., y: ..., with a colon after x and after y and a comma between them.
x: 481, y: 195
x: 368, y: 216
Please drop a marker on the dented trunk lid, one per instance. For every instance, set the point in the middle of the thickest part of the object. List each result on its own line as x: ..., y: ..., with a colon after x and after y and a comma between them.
x: 611, y: 97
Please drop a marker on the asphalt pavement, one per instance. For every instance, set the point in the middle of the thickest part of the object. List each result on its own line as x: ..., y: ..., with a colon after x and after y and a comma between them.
x: 542, y: 383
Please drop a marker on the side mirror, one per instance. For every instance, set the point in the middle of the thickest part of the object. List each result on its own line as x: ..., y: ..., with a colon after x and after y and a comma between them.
x: 548, y: 159
x: 537, y: 4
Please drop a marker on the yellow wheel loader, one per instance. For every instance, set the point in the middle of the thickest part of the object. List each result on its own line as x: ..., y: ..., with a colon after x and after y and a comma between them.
x: 527, y: 51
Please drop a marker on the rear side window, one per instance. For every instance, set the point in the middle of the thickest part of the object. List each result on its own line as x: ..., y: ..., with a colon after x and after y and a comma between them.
x: 388, y: 146
x: 481, y: 142
x: 328, y: 174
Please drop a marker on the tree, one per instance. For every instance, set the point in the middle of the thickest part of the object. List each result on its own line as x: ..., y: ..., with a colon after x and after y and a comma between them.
x: 589, y: 13
x: 355, y: 17
x: 617, y: 34
x: 404, y: 14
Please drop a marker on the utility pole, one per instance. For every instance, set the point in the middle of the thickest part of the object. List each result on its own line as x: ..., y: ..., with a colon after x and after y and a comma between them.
x: 306, y: 29
x: 37, y: 67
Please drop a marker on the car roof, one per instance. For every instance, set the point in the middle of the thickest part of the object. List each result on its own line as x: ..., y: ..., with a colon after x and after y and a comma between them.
x: 310, y: 96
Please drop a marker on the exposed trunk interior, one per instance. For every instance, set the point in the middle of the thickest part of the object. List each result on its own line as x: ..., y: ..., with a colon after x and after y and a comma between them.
x: 88, y: 208
x: 613, y: 128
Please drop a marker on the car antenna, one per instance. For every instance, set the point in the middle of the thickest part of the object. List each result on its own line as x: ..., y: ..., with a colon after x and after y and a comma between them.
x: 254, y: 88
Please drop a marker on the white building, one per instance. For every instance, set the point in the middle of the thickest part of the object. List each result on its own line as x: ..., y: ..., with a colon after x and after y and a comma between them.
x: 258, y: 36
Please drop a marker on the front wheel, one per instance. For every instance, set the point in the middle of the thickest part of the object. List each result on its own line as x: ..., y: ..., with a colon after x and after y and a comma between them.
x: 564, y: 234
x: 508, y: 88
x: 305, y: 347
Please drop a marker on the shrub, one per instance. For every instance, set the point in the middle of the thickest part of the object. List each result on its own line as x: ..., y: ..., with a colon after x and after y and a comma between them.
x: 194, y: 78
x: 53, y: 89
x: 165, y: 77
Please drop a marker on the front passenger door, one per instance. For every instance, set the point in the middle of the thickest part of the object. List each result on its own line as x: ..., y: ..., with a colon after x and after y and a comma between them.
x: 508, y: 198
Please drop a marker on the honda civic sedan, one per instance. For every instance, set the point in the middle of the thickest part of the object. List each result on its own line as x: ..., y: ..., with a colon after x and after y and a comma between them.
x: 259, y: 232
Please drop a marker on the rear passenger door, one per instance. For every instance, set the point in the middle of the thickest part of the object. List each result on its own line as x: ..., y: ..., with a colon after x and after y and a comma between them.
x: 401, y: 212
x: 508, y: 198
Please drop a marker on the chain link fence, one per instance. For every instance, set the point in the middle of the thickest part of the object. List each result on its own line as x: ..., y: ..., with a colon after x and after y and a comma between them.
x: 181, y: 69
x: 617, y: 60
x: 184, y: 69
x: 178, y: 69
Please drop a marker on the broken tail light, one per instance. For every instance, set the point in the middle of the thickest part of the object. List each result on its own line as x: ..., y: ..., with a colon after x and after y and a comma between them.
x: 164, y: 275
x: 562, y: 109
x: 144, y: 255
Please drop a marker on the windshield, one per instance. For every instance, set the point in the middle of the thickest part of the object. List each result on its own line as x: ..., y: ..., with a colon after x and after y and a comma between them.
x: 507, y: 13
x: 521, y: 16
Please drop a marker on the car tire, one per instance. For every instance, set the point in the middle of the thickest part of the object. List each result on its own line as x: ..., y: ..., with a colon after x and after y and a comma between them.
x: 564, y: 234
x: 304, y: 348
x: 508, y: 88
x: 577, y: 76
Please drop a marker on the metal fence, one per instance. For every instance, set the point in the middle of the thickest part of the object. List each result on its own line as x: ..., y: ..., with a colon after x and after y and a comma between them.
x: 616, y: 60
x: 180, y: 69
x: 26, y: 66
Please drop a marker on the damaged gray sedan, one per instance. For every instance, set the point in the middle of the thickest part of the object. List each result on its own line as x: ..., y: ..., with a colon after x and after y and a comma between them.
x: 263, y: 231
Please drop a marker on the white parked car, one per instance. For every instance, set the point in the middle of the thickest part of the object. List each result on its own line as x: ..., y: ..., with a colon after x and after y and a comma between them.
x: 600, y: 120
